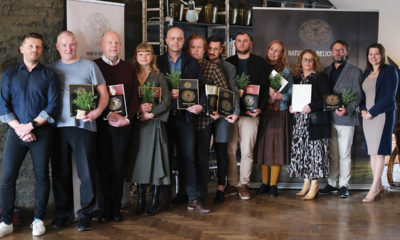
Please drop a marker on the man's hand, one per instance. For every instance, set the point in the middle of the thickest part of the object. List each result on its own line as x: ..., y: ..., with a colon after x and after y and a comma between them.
x: 275, y: 95
x: 341, y: 111
x: 23, y: 129
x: 30, y: 137
x: 92, y: 115
x: 255, y: 113
x: 232, y: 118
x: 196, y: 109
x: 215, y: 115
x: 116, y: 120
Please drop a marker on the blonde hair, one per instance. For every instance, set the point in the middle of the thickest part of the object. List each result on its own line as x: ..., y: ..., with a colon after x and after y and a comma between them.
x: 145, y: 47
x: 316, y: 65
x: 282, y: 61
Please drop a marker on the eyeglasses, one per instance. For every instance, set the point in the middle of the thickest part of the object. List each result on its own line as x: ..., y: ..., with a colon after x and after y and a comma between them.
x: 340, y: 50
x: 307, y: 60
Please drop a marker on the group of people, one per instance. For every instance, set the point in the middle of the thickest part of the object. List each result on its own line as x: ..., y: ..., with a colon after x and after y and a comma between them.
x: 144, y: 146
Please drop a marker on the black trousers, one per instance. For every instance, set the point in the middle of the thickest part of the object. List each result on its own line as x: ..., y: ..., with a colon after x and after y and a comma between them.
x: 77, y: 144
x: 111, y: 163
x: 14, y: 153
x: 203, y: 137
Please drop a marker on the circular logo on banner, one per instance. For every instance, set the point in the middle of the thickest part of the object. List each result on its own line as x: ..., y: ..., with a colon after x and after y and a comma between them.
x: 95, y: 25
x: 315, y: 32
x: 114, y: 104
x: 188, y: 96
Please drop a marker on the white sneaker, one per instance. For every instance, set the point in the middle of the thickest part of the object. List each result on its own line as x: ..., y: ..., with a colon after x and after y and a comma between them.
x: 5, y: 229
x: 38, y: 228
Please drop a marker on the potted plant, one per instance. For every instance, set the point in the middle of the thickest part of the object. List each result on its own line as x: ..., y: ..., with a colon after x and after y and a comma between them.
x: 348, y: 97
x: 275, y: 85
x: 173, y: 79
x: 242, y: 81
x: 84, y: 101
x: 148, y: 93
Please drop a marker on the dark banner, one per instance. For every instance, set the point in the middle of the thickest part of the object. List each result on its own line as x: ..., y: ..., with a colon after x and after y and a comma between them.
x: 316, y: 29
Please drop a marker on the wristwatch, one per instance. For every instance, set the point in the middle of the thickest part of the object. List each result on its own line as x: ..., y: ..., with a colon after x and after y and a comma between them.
x: 35, y: 124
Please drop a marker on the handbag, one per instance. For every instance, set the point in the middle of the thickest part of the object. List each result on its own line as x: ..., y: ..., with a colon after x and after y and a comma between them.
x: 320, y: 118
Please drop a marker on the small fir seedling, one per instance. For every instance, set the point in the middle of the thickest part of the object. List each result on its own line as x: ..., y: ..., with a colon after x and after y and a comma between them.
x: 275, y: 81
x: 148, y: 93
x: 173, y: 79
x: 242, y: 81
x: 348, y: 97
x: 84, y: 100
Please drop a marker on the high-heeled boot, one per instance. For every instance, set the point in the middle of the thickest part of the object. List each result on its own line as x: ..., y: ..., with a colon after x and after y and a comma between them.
x: 306, y: 187
x: 313, y: 192
x: 141, y: 203
x: 153, y: 209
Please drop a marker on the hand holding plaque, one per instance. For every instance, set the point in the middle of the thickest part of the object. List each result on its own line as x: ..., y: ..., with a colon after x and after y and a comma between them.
x: 332, y: 101
x: 188, y: 93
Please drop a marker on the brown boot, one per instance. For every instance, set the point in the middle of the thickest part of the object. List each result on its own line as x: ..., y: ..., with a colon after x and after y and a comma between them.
x: 306, y: 187
x: 313, y: 192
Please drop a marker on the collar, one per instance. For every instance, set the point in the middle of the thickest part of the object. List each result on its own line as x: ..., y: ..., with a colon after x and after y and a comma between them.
x: 22, y: 66
x: 341, y: 66
x: 106, y: 60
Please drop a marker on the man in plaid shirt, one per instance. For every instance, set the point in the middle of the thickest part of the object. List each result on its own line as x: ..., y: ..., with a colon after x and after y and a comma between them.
x: 213, y: 76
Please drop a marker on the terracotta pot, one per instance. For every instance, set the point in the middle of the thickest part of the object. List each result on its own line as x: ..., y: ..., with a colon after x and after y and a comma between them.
x: 80, y: 114
x: 241, y: 92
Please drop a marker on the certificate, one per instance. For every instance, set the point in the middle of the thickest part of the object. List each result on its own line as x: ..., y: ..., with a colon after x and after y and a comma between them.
x: 188, y: 93
x: 226, y: 102
x: 117, y: 101
x: 301, y: 96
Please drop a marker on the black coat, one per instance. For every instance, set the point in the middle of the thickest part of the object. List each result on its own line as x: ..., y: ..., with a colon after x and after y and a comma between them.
x: 320, y: 85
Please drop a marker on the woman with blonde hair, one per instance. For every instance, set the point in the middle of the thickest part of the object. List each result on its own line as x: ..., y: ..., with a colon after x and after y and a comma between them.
x: 150, y: 163
x: 273, y: 132
x: 309, y: 150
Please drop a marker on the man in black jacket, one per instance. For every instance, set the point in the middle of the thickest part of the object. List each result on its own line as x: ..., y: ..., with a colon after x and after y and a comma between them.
x: 245, y: 129
x: 181, y: 123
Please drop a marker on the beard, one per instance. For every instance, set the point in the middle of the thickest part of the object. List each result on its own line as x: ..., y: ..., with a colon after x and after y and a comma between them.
x: 245, y: 51
x: 340, y: 60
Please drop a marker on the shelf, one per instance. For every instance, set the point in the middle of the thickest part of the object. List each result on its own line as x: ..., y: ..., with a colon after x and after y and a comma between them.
x: 213, y: 25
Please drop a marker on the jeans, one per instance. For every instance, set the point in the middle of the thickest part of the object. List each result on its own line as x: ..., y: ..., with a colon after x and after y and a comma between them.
x: 14, y: 153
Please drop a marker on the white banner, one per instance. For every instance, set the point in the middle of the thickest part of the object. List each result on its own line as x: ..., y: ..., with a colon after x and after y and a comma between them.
x: 89, y: 19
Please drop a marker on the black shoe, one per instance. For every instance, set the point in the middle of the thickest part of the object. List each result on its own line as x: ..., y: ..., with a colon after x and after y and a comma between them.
x: 103, y: 219
x: 153, y: 209
x: 273, y: 191
x: 328, y: 189
x: 219, y: 197
x: 85, y: 224
x: 141, y: 204
x: 61, y: 222
x: 180, y: 198
x: 343, y: 192
x: 117, y: 217
x: 263, y: 189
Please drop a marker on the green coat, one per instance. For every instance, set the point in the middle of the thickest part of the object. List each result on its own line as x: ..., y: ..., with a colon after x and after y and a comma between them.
x: 148, y: 158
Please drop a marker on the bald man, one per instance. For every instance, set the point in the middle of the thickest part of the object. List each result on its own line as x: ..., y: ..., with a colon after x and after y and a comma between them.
x: 75, y: 138
x: 113, y: 129
x: 181, y: 123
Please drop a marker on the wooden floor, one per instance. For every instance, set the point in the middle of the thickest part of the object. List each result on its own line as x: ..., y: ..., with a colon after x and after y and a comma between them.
x: 262, y: 217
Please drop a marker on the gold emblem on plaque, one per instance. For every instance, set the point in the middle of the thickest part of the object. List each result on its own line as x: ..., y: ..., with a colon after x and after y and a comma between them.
x: 188, y: 95
x: 315, y: 32
x: 332, y: 100
x: 226, y: 95
x: 249, y: 100
x: 114, y: 104
x: 187, y: 85
x: 226, y: 105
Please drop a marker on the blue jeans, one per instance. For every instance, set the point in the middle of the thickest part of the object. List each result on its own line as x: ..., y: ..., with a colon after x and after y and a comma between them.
x: 182, y: 132
x: 14, y: 153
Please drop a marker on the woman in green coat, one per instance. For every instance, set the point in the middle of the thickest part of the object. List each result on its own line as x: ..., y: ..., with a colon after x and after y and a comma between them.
x: 149, y: 149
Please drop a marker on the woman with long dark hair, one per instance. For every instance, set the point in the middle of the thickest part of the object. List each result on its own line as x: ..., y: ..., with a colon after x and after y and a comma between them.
x: 378, y: 111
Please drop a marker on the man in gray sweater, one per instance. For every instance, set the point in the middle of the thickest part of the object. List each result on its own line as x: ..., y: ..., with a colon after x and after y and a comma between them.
x: 344, y: 77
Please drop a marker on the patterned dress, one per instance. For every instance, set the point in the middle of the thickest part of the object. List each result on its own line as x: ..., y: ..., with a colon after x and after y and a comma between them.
x: 308, y: 158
